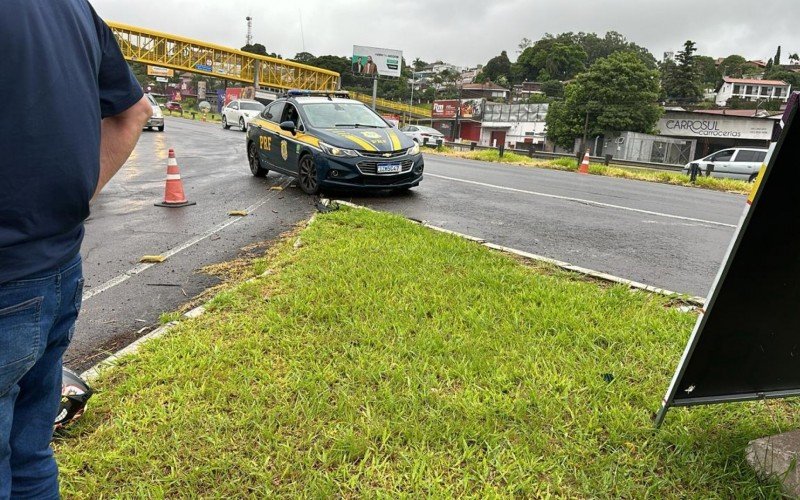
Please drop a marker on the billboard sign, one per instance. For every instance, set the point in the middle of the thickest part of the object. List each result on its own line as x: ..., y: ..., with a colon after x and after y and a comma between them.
x: 715, y: 127
x: 375, y: 61
x: 159, y: 71
x: 471, y: 109
x: 745, y: 345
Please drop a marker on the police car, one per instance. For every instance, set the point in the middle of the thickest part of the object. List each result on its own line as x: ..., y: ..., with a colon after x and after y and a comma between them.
x: 327, y: 140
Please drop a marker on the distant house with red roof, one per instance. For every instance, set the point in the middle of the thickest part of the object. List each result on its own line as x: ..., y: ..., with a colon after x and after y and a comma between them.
x: 751, y: 89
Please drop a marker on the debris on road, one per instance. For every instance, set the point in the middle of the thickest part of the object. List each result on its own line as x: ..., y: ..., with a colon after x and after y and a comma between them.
x: 240, y: 213
x: 276, y: 188
x: 324, y: 205
x: 152, y: 259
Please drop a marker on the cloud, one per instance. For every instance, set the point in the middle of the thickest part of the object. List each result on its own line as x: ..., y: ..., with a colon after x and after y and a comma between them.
x: 469, y: 32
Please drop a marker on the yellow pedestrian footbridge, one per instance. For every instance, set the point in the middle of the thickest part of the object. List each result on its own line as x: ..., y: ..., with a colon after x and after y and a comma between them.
x: 180, y: 53
x: 185, y: 54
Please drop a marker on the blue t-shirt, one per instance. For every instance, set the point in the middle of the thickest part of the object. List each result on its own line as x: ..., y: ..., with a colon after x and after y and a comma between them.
x: 62, y: 71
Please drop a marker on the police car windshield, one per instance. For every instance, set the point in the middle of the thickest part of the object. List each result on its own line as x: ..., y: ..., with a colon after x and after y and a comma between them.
x: 342, y: 115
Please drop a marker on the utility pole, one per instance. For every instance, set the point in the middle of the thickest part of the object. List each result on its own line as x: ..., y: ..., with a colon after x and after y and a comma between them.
x: 413, y: 82
x: 374, y: 91
x: 585, y: 131
x: 457, y: 131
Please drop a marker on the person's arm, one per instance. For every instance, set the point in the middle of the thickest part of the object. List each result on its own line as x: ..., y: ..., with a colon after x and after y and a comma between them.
x: 118, y: 137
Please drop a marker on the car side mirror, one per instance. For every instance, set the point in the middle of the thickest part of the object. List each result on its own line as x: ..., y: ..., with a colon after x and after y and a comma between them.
x: 289, y: 127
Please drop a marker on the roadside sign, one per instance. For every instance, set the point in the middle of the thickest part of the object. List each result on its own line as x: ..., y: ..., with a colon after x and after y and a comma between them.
x: 162, y: 79
x: 159, y: 71
x: 745, y: 345
x: 376, y: 61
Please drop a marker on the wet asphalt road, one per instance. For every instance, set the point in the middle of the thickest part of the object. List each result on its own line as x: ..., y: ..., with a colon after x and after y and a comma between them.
x: 671, y: 237
x: 125, y: 225
x: 667, y: 236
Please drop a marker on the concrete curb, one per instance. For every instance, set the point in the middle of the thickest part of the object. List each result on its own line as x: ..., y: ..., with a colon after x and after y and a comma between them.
x: 696, y: 301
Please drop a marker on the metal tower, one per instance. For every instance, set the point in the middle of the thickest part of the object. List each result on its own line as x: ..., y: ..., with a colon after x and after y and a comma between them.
x: 249, y: 37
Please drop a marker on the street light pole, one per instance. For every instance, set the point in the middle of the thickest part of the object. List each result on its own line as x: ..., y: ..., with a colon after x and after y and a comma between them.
x: 413, y: 82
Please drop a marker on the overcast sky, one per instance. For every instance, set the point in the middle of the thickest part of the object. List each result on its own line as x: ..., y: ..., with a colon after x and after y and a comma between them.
x: 469, y: 32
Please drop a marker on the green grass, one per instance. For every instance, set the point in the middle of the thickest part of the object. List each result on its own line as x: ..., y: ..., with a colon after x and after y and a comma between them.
x: 382, y: 359
x: 570, y: 164
x: 187, y: 115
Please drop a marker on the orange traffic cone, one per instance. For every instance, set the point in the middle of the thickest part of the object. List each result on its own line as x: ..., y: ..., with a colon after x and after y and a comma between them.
x: 584, y: 168
x: 173, y: 191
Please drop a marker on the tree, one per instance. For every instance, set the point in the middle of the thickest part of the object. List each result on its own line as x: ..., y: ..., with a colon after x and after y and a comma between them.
x: 567, y: 54
x: 259, y: 49
x: 524, y: 44
x: 419, y: 64
x: 304, y: 57
x: 553, y: 88
x: 707, y: 72
x: 496, y: 67
x: 550, y: 58
x: 794, y: 58
x: 598, y: 48
x: 680, y: 81
x: 617, y: 93
x: 776, y: 61
x: 736, y: 66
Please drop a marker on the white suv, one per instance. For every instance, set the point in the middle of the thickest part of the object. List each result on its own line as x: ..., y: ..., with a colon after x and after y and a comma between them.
x: 240, y: 112
x: 734, y: 163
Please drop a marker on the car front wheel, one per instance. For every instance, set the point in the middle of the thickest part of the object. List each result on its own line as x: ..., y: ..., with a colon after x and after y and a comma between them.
x: 255, y: 162
x: 225, y: 123
x: 241, y: 124
x: 308, y: 175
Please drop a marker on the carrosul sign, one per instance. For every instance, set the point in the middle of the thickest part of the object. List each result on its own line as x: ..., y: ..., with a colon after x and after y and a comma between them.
x: 690, y: 125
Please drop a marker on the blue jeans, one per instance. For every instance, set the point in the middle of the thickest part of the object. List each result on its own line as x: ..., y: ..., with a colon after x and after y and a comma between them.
x: 37, y: 320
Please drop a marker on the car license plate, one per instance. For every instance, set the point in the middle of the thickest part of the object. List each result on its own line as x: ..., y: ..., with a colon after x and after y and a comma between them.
x: 390, y: 168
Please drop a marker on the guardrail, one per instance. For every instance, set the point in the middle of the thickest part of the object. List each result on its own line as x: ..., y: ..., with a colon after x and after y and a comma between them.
x: 552, y: 156
x: 399, y: 107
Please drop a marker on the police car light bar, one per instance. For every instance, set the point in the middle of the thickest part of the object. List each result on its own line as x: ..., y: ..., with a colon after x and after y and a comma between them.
x: 320, y: 93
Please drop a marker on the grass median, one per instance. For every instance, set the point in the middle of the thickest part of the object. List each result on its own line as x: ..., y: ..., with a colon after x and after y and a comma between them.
x: 379, y: 358
x: 570, y: 164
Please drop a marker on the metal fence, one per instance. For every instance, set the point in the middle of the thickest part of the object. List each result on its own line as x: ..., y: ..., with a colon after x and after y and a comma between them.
x: 635, y: 147
x: 532, y: 153
x: 495, y: 112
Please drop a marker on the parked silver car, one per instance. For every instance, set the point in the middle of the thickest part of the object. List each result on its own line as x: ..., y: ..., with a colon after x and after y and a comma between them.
x: 733, y: 163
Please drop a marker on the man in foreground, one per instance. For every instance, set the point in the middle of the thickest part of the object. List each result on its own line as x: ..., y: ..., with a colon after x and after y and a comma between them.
x: 73, y: 114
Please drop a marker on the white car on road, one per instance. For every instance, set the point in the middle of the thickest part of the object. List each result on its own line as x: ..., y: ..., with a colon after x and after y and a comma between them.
x: 420, y: 134
x: 157, y: 118
x: 734, y: 163
x: 240, y: 112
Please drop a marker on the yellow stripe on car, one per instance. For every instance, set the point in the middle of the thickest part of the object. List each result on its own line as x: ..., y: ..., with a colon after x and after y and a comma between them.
x: 395, y: 140
x: 361, y: 142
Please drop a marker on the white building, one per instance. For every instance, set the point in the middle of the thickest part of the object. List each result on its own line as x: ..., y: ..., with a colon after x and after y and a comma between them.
x: 752, y: 90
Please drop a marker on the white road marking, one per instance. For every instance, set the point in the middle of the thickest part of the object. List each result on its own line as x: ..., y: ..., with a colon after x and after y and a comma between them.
x: 122, y: 278
x: 580, y: 200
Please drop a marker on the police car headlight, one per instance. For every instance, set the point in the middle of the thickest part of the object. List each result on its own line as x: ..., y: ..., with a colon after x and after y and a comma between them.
x: 335, y: 151
x: 414, y: 150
